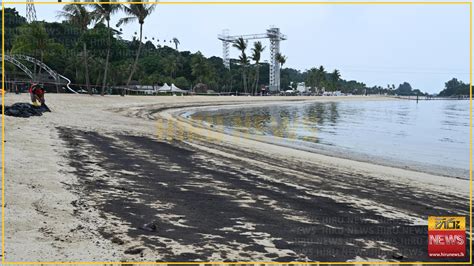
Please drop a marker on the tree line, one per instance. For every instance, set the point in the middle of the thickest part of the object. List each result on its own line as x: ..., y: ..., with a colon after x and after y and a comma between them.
x: 455, y: 87
x: 86, y: 48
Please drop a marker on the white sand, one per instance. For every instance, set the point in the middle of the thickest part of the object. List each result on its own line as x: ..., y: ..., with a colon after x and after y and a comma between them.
x: 38, y: 213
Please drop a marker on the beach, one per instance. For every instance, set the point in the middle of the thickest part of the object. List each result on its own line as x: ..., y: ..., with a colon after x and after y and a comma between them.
x: 98, y: 180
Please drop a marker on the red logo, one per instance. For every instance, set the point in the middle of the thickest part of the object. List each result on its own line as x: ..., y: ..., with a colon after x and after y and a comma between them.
x: 446, y: 237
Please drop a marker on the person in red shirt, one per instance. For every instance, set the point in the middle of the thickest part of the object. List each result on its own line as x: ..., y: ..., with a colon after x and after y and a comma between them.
x: 37, y: 93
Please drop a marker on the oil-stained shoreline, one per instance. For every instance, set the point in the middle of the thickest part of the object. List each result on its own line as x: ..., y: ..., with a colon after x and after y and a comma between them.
x: 152, y: 199
x: 186, y: 205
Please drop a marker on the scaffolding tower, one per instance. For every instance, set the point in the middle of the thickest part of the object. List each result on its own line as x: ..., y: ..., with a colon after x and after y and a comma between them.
x: 275, y: 37
x: 30, y: 11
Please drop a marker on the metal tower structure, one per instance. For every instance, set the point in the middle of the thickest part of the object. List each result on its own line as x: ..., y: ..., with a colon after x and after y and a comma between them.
x: 225, y: 49
x: 275, y: 37
x: 30, y: 11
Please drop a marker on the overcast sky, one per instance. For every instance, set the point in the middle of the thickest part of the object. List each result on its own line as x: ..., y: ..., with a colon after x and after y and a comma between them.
x: 425, y: 45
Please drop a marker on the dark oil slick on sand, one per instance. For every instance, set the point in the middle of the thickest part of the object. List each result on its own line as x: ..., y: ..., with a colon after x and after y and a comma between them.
x: 184, y: 204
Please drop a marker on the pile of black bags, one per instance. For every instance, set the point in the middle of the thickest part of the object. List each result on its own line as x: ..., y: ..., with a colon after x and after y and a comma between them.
x: 25, y: 110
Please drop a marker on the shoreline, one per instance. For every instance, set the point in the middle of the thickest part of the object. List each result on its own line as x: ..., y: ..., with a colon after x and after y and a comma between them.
x: 332, y: 151
x: 101, y: 186
x: 248, y: 142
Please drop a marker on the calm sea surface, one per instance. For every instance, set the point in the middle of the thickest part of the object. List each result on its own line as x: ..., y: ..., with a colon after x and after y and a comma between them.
x: 428, y: 135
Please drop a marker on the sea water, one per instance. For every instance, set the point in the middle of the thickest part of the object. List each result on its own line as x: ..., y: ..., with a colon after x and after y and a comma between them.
x: 430, y: 135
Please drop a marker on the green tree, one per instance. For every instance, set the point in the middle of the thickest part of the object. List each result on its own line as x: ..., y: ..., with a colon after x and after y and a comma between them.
x: 80, y: 17
x: 241, y: 45
x: 256, y: 55
x: 181, y: 82
x: 103, y: 12
x: 281, y: 59
x: 136, y: 12
x: 404, y: 89
x: 316, y: 78
x: 13, y: 21
x: 455, y: 87
x: 200, y: 67
x: 34, y: 40
x: 335, y: 77
x: 311, y: 79
x: 171, y: 65
x: 321, y: 77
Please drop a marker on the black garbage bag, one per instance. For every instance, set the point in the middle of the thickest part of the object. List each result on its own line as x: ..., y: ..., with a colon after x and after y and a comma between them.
x: 25, y: 110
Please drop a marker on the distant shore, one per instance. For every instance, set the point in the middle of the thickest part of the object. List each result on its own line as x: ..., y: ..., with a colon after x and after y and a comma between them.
x: 102, y: 183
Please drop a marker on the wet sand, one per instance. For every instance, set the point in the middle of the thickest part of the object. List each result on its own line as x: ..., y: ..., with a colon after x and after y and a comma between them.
x: 99, y: 184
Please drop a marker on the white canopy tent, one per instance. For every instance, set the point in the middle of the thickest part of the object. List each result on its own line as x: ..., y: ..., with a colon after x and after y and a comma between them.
x: 165, y: 88
x: 176, y: 89
x: 172, y: 88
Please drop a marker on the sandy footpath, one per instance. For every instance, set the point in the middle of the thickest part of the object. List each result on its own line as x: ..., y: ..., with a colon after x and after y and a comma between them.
x: 92, y: 181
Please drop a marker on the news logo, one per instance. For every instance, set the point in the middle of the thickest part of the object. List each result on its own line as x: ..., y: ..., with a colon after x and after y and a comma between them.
x: 446, y: 236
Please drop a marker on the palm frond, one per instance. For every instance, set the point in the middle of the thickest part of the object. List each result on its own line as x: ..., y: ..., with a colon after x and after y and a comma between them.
x: 126, y: 20
x: 240, y: 44
x: 77, y: 14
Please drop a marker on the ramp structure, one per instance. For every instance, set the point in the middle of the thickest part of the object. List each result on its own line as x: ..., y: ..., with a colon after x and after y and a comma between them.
x: 275, y: 37
x: 18, y: 60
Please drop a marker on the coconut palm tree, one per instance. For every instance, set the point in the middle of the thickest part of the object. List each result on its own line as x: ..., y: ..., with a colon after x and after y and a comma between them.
x: 256, y: 54
x: 176, y: 42
x: 241, y: 45
x: 136, y: 12
x: 244, y: 62
x: 321, y: 69
x: 103, y: 12
x: 321, y: 77
x: 78, y: 15
x: 335, y: 77
x: 281, y: 59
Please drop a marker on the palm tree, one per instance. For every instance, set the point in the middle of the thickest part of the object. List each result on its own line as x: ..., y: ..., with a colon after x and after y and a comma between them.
x: 335, y: 77
x: 176, y: 42
x: 79, y: 16
x: 137, y: 12
x: 312, y: 79
x: 315, y: 78
x: 321, y: 69
x: 321, y: 77
x: 244, y: 61
x: 256, y: 54
x: 282, y: 60
x: 241, y: 45
x: 103, y: 12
